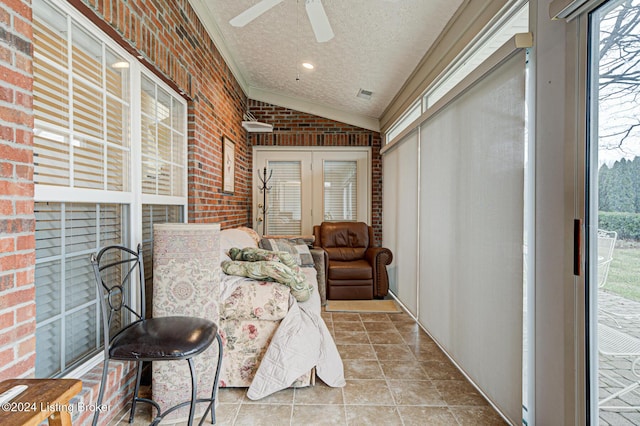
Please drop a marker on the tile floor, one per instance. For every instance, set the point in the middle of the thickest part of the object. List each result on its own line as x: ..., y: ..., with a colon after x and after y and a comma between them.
x: 396, y: 375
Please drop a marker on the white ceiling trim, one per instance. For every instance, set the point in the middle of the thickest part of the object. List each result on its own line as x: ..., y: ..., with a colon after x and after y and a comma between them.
x: 205, y: 14
x: 303, y: 105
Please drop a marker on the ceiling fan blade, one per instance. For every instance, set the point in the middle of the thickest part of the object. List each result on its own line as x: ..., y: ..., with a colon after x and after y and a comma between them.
x: 319, y: 21
x: 253, y: 12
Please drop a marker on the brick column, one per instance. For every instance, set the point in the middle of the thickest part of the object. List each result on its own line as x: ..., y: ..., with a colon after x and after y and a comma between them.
x: 17, y: 223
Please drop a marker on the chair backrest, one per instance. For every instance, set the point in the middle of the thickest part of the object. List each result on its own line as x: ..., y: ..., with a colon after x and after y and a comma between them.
x: 606, y: 244
x: 119, y: 274
x: 344, y: 241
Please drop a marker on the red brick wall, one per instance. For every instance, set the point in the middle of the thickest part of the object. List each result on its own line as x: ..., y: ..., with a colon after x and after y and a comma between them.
x: 17, y: 222
x: 294, y: 128
x: 175, y: 44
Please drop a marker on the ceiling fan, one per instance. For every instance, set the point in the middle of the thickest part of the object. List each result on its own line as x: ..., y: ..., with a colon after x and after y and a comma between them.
x: 315, y: 12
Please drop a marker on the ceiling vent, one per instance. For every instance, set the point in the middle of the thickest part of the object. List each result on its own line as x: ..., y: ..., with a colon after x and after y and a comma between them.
x: 252, y: 125
x: 364, y: 94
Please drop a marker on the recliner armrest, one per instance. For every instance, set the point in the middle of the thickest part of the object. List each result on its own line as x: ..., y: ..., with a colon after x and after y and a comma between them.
x: 321, y: 263
x: 379, y: 258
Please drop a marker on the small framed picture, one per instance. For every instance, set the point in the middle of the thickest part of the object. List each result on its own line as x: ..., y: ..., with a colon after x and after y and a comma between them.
x: 228, y: 165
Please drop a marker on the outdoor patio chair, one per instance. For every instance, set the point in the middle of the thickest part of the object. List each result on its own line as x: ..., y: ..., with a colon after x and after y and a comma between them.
x: 606, y: 243
x: 617, y: 343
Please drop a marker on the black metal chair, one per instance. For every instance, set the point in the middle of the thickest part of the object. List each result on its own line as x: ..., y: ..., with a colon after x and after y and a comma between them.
x: 129, y: 336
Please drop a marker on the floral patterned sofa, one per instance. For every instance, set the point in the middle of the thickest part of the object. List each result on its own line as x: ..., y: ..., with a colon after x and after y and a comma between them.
x: 251, y: 312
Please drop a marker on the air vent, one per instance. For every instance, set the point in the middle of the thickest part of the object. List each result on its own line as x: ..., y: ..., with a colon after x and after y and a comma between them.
x: 364, y: 94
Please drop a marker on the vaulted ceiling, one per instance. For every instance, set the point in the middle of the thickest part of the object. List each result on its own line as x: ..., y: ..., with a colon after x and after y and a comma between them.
x: 376, y: 45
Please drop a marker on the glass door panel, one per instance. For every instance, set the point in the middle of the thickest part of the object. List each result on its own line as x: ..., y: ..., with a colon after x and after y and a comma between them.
x: 613, y: 239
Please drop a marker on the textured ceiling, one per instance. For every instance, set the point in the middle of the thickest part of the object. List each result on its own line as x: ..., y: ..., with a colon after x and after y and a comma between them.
x: 377, y: 45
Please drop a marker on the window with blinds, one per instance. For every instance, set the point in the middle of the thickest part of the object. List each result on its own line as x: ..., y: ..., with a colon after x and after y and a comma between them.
x: 340, y: 190
x: 66, y: 305
x: 163, y: 141
x: 284, y: 198
x: 83, y: 131
x: 81, y: 106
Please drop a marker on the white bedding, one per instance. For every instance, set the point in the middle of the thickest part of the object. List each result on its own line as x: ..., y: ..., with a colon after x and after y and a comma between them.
x: 301, y: 342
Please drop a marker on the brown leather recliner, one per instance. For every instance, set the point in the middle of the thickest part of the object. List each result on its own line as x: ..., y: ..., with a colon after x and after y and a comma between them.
x: 354, y: 269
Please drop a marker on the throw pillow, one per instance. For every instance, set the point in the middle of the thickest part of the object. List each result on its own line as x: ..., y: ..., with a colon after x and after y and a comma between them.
x: 295, y: 246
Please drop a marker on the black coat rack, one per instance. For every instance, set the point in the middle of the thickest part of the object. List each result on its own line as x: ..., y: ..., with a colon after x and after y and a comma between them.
x: 264, y: 188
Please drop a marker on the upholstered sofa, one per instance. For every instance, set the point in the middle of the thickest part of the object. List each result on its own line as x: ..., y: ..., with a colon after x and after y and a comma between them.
x: 354, y: 268
x: 252, y: 311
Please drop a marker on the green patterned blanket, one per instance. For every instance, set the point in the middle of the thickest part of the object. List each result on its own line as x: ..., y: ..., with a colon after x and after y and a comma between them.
x: 264, y: 265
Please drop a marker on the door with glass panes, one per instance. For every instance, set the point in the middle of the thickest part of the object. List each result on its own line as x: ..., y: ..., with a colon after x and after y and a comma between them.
x: 296, y: 189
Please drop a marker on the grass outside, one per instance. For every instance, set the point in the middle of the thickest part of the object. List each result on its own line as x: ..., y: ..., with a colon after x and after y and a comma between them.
x: 624, y: 273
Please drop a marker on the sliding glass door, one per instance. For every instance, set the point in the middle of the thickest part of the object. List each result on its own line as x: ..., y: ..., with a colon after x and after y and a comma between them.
x: 613, y: 213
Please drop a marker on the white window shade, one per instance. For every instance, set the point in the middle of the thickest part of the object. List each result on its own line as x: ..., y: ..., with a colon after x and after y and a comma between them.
x: 471, y: 231
x: 401, y: 219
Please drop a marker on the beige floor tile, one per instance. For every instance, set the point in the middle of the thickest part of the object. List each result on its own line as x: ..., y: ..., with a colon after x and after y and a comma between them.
x: 459, y: 392
x: 415, y: 392
x: 385, y: 337
x: 429, y: 352
x: 401, y: 317
x: 421, y: 416
x: 319, y: 394
x: 477, y: 416
x: 380, y: 326
x: 284, y: 396
x: 441, y: 370
x: 345, y: 316
x: 408, y: 327
x: 403, y: 370
x: 347, y: 326
x: 374, y: 317
x: 396, y: 375
x: 350, y: 337
x: 394, y: 352
x: 264, y: 415
x: 358, y: 415
x: 416, y: 338
x: 319, y: 415
x: 362, y: 369
x: 231, y: 395
x: 356, y: 352
x: 367, y: 392
x: 226, y: 414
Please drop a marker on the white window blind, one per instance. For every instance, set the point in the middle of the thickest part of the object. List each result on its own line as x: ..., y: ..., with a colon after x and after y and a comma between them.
x: 163, y: 141
x: 284, y: 199
x: 66, y: 303
x: 340, y: 190
x: 80, y: 106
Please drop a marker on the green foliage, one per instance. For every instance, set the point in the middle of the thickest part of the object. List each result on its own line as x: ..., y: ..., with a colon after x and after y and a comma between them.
x: 627, y: 225
x: 619, y: 187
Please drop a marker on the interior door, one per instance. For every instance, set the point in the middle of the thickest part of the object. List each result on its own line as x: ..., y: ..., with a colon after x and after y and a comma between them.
x: 282, y: 193
x: 307, y: 186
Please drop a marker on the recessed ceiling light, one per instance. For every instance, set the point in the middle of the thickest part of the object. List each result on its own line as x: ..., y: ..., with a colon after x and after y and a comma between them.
x: 308, y: 65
